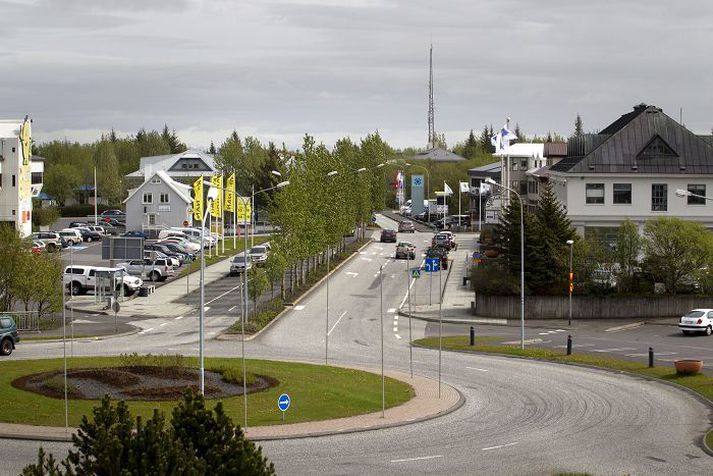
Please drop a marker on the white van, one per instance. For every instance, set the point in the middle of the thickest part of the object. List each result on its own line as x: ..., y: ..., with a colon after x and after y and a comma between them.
x: 71, y: 235
x: 195, y: 235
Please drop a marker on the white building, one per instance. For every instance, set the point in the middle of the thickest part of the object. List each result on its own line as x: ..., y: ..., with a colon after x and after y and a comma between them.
x: 632, y: 169
x: 159, y: 202
x: 21, y: 174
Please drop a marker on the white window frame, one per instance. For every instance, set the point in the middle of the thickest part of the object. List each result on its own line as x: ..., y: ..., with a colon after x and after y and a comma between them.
x: 166, y: 195
x: 146, y: 195
x: 587, y: 196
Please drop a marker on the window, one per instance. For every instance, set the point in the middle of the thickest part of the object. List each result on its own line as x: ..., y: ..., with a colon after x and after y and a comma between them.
x: 36, y: 178
x: 156, y: 181
x: 152, y: 219
x: 698, y: 189
x: 659, y: 197
x: 523, y: 164
x: 595, y: 194
x: 13, y: 180
x: 184, y: 165
x: 5, y: 323
x: 622, y: 193
x: 522, y: 185
x: 657, y: 148
x: 148, y: 197
x: 163, y: 198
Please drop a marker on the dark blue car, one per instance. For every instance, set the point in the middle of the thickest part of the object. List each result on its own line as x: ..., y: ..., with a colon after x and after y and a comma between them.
x: 8, y: 335
x: 135, y: 234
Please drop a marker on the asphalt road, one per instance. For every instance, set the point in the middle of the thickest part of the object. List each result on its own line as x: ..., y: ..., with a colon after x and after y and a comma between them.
x: 520, y: 417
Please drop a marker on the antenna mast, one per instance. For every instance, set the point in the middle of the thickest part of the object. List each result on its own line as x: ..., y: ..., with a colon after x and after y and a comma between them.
x: 431, y: 124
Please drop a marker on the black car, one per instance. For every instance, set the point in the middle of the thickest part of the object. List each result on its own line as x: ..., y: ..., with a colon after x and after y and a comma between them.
x: 114, y: 222
x: 438, y: 252
x: 89, y: 235
x: 388, y: 236
x: 113, y: 214
x: 8, y: 335
x: 176, y: 248
x: 167, y: 251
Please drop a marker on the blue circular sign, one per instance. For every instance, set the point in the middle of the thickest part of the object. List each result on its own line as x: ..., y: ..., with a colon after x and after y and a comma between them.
x: 283, y: 403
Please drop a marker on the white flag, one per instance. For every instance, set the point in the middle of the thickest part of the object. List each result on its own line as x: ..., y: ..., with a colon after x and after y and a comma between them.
x: 484, y: 188
x: 464, y: 187
x: 501, y: 140
x: 446, y: 189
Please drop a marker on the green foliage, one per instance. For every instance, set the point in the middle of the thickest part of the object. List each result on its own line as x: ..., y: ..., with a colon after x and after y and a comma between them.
x: 81, y: 210
x: 171, y: 139
x: 675, y: 249
x: 149, y: 360
x: 578, y: 126
x: 61, y: 181
x: 196, y: 442
x: 490, y: 279
x: 234, y: 374
x: 257, y: 282
x: 44, y: 216
x: 109, y: 182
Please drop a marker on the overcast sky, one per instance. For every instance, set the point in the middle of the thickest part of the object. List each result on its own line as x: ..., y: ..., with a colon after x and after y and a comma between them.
x: 277, y: 69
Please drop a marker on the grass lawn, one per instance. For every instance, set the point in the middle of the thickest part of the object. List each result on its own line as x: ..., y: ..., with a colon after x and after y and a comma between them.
x: 317, y: 393
x: 229, y: 252
x: 700, y: 383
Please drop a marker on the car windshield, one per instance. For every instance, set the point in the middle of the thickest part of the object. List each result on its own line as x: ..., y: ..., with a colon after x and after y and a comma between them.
x: 695, y: 314
x: 258, y: 250
x: 239, y: 259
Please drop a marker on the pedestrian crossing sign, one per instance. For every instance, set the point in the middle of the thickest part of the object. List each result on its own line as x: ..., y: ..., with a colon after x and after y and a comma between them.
x: 415, y: 273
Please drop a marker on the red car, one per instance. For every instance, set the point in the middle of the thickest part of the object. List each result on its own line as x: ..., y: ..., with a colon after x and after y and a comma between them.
x: 38, y: 246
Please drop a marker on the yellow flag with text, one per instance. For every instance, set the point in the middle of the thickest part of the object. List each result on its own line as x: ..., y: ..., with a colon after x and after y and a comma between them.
x: 216, y: 208
x: 198, y: 199
x: 230, y: 194
x: 243, y: 210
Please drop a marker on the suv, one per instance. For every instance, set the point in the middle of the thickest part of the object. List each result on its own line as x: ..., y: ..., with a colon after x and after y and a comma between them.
x: 405, y: 250
x: 388, y: 236
x: 8, y: 335
x: 406, y: 226
x: 51, y: 239
x: 72, y: 236
x: 239, y: 263
x: 80, y: 279
x: 258, y: 255
x: 157, y: 270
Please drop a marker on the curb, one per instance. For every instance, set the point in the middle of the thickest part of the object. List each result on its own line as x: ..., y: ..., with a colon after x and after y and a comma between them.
x: 697, y: 396
x: 465, y: 322
x: 136, y: 330
x: 224, y: 336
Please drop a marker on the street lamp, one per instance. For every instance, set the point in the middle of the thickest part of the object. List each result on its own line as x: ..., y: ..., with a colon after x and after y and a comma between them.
x: 571, y: 281
x: 490, y: 181
x: 326, y: 329
x: 252, y: 208
x: 428, y: 188
x: 212, y: 195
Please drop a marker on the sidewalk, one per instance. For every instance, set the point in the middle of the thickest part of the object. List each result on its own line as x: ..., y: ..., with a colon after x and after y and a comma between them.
x: 425, y: 405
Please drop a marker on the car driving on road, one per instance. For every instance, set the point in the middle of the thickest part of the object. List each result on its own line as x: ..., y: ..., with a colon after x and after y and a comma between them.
x: 239, y: 264
x: 697, y: 320
x: 406, y: 226
x: 388, y: 236
x: 405, y: 250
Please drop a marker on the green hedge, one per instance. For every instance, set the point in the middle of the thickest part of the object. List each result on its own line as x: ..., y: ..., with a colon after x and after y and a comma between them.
x: 82, y: 210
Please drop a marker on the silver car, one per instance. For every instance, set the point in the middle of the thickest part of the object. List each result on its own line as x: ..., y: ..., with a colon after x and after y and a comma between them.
x: 239, y: 264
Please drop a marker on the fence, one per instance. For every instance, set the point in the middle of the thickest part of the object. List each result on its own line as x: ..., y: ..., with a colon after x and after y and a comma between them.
x: 25, y: 321
x: 589, y: 307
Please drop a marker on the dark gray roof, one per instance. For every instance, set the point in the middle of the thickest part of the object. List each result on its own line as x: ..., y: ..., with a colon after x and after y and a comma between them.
x: 619, y: 148
x: 437, y: 155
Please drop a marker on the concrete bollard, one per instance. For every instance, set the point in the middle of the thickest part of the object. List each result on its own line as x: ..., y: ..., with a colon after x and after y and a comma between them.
x: 472, y: 335
x: 569, y: 345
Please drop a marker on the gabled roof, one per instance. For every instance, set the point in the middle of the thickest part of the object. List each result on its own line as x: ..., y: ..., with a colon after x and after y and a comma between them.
x: 630, y: 144
x: 438, y: 155
x: 183, y: 191
x: 165, y: 162
x: 524, y: 149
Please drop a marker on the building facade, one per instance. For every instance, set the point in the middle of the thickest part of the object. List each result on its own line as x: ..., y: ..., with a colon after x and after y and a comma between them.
x: 159, y: 202
x: 21, y: 174
x: 632, y: 169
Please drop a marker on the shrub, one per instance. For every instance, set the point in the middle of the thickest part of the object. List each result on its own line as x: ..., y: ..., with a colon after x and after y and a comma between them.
x: 492, y: 280
x: 149, y: 360
x: 44, y: 216
x: 235, y: 375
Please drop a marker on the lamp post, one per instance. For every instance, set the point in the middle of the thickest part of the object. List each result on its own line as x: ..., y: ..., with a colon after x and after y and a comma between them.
x: 685, y: 193
x: 490, y: 181
x: 212, y: 195
x: 571, y: 282
x: 381, y: 312
x: 428, y: 188
x: 326, y: 328
x: 253, y: 221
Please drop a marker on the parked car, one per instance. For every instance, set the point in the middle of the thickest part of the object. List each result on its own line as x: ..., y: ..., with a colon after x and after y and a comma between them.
x: 51, y: 239
x: 38, y: 246
x: 439, y: 252
x: 405, y: 250
x: 163, y: 248
x: 8, y: 335
x: 79, y: 279
x: 115, y: 213
x: 193, y: 247
x: 697, y: 320
x: 179, y: 248
x: 155, y: 270
x: 239, y: 264
x: 258, y: 255
x: 72, y: 236
x: 406, y: 226
x: 99, y: 229
x: 135, y: 234
x: 388, y: 236
x: 195, y: 235
x: 89, y: 235
x: 153, y: 255
x: 76, y: 224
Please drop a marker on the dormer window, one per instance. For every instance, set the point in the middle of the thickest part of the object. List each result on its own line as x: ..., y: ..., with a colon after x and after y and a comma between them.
x: 656, y: 148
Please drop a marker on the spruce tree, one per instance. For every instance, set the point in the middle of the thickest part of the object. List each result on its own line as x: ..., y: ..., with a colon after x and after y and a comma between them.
x: 484, y: 140
x: 578, y: 126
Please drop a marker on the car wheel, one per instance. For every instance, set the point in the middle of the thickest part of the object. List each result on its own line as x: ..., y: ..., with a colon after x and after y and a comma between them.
x: 89, y: 239
x: 686, y: 332
x: 127, y: 290
x: 6, y: 347
x: 51, y: 248
x: 709, y: 330
x: 75, y: 289
x: 154, y: 276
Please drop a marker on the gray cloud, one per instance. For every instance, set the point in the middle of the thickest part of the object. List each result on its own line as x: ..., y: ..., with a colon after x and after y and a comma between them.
x: 279, y: 69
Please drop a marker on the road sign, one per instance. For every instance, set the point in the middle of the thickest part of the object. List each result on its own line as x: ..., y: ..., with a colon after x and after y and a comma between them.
x: 185, y: 223
x: 432, y: 265
x: 416, y: 273
x: 373, y: 219
x: 283, y: 403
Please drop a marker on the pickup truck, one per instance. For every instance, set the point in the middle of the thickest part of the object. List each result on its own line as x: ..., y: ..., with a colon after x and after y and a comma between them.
x: 80, y: 279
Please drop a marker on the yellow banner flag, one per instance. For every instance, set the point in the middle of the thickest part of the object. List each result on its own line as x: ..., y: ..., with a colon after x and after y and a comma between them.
x: 216, y: 208
x: 230, y: 194
x: 198, y: 199
x: 243, y: 210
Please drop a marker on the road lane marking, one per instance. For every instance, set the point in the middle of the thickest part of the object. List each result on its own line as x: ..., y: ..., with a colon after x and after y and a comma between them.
x: 179, y: 318
x: 391, y: 310
x: 146, y: 330
x: 164, y: 324
x: 615, y: 349
x: 299, y: 308
x: 419, y: 458
x: 206, y: 308
x: 335, y: 324
x: 498, y: 447
x: 231, y: 309
x: 625, y: 327
x: 226, y: 292
x: 396, y: 329
x: 397, y: 336
x: 352, y: 274
x: 476, y: 368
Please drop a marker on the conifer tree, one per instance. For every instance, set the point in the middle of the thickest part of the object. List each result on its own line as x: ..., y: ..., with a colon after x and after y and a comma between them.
x: 578, y: 126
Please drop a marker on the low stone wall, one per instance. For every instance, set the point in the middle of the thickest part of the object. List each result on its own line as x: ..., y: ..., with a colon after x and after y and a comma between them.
x: 589, y: 307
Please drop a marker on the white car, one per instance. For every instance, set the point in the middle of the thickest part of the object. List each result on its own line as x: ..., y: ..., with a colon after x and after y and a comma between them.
x: 239, y: 264
x: 697, y: 320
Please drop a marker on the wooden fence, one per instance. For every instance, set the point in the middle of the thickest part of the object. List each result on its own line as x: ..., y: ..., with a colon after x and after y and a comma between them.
x: 589, y: 307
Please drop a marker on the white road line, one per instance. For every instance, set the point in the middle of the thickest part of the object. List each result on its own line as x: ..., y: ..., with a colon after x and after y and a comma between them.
x: 396, y: 329
x: 366, y: 259
x: 179, y: 318
x: 231, y: 309
x: 617, y: 349
x: 391, y: 310
x: 206, y: 308
x: 352, y: 274
x: 212, y: 333
x: 226, y: 292
x: 335, y: 324
x: 476, y: 368
x: 420, y: 458
x: 164, y: 324
x: 498, y: 447
x: 299, y: 308
x: 146, y: 330
x: 397, y: 336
